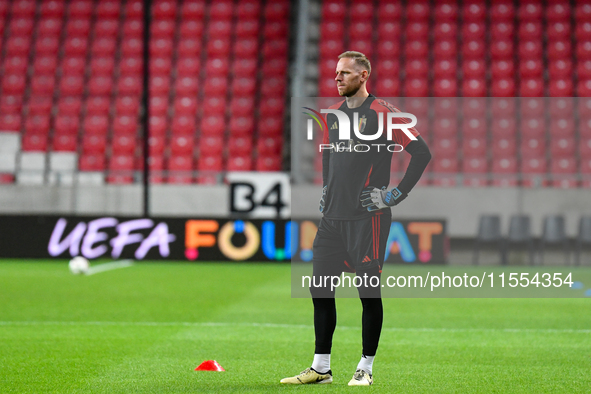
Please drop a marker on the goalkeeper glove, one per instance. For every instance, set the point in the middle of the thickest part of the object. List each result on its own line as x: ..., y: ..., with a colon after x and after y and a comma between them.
x: 323, y: 199
x: 374, y: 199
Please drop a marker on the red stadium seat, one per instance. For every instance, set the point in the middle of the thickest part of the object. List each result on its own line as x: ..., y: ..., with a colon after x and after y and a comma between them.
x: 559, y: 30
x: 418, y: 11
x: 78, y: 27
x: 186, y: 86
x: 75, y: 46
x: 23, y: 8
x: 125, y: 125
x: 389, y: 30
x: 214, y: 106
x: 44, y: 65
x: 416, y: 87
x: 222, y: 29
x: 275, y: 87
x: 40, y: 105
x: 562, y: 127
x: 162, y: 47
x: 120, y: 169
x: 242, y: 126
x: 160, y: 66
x: 185, y: 125
x: 42, y: 85
x: 444, y: 147
x: 444, y: 172
x: 73, y: 66
x: 562, y: 69
x: 21, y: 46
x: 530, y: 30
x: 474, y: 11
x: 563, y: 172
x: 92, y: 162
x: 333, y: 11
x: 94, y: 144
x: 185, y: 106
x: 52, y: 8
x: 245, y: 48
x: 531, y: 68
x: 559, y: 50
x: 473, y: 49
x: 217, y: 67
x: 446, y: 12
x: 13, y: 84
x: 239, y: 146
x: 474, y: 30
x: 106, y: 28
x: 474, y: 87
x: 503, y: 146
x: 502, y: 49
x: 132, y: 47
x: 271, y: 107
x: 562, y: 147
x: 66, y: 124
x: 390, y: 11
x: 215, y: 86
x: 239, y: 163
x: 504, y: 171
x: 98, y: 105
x: 193, y: 10
x: 10, y: 122
x: 34, y: 142
x: 332, y: 30
x: 503, y: 87
x: 414, y: 31
x: 445, y: 123
x: 503, y: 30
x: 270, y: 146
x: 158, y: 125
x: 164, y: 9
x: 445, y: 69
x: 64, y: 143
x: 182, y: 145
x: 531, y: 87
x: 126, y: 105
x: 241, y: 106
x: 502, y: 11
x: 445, y: 31
x: 357, y: 31
x: 130, y: 85
x: 250, y: 29
x: 475, y: 170
x: 583, y: 50
x: 445, y: 88
x: 331, y: 48
x: 561, y: 88
x: 248, y: 9
x: 416, y: 49
x: 270, y: 127
x: 98, y: 124
x: 194, y: 28
x: 10, y: 105
x: 159, y: 105
x: 69, y: 106
x: 188, y: 66
x: 475, y: 68
x: 268, y: 163
x: 156, y: 145
x: 533, y: 171
x: 71, y: 86
x: 221, y: 10
x: 108, y: 9
x: 163, y: 29
x: 123, y: 144
x: 386, y: 49
x: 211, y: 145
x: 213, y: 125
x: 21, y: 26
x: 100, y: 85
x: 102, y: 66
x: 474, y: 126
x: 474, y: 146
x: 417, y: 68
x: 180, y: 169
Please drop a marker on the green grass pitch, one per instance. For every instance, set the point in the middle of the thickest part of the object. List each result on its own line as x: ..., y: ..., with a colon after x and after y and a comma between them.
x: 144, y: 329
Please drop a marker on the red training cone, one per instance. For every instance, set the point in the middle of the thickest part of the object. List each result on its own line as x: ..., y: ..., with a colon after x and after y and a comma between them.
x: 210, y: 365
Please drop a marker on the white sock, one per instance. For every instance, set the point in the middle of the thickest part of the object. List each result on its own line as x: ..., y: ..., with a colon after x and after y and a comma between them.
x: 321, y: 363
x: 366, y: 363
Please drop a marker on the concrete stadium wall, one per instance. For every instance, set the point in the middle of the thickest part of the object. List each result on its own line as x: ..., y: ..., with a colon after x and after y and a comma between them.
x: 461, y: 207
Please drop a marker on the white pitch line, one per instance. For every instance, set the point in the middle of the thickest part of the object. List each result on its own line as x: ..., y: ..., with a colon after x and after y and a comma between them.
x: 109, y: 266
x: 290, y: 326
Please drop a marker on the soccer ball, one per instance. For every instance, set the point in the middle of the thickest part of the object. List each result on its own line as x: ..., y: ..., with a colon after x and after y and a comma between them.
x: 79, y: 265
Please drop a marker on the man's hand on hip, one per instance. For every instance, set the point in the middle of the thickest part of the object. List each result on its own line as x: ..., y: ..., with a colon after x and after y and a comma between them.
x: 374, y: 199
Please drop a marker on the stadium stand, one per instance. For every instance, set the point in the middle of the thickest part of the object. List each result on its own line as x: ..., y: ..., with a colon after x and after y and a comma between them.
x: 471, y: 49
x: 71, y: 83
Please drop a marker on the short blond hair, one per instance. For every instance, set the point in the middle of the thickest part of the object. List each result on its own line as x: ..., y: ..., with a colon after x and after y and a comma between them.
x: 360, y: 59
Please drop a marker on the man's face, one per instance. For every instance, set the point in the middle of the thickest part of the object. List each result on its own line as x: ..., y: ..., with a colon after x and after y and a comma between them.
x: 350, y: 77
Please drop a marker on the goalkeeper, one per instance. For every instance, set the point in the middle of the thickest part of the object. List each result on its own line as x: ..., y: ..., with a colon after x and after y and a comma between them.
x: 356, y: 204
